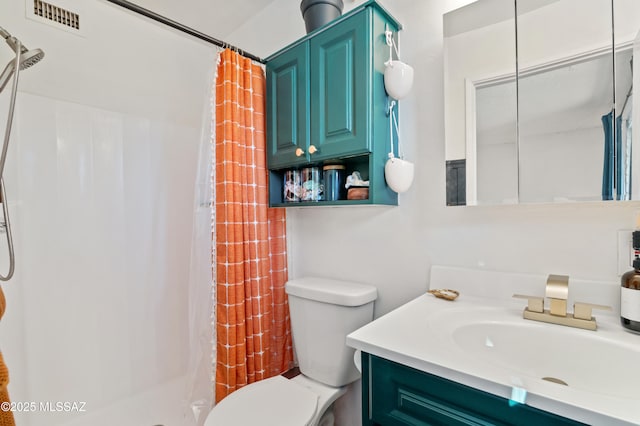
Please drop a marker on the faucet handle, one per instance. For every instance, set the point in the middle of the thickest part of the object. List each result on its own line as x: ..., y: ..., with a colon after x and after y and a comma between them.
x: 534, y: 303
x: 583, y: 310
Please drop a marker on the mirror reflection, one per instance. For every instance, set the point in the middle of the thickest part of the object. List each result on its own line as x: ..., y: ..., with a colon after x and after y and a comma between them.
x: 480, y: 68
x: 565, y: 87
x: 557, y: 129
x: 496, y: 143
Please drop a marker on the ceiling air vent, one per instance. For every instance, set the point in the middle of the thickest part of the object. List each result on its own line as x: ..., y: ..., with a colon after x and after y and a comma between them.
x: 56, y: 14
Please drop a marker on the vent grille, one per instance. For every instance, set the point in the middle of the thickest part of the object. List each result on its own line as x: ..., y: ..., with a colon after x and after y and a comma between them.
x: 56, y: 14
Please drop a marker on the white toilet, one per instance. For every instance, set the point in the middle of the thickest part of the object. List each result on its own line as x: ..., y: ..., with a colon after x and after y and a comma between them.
x: 323, y: 312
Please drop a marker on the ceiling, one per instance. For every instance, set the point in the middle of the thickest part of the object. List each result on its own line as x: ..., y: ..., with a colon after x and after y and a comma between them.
x: 216, y: 18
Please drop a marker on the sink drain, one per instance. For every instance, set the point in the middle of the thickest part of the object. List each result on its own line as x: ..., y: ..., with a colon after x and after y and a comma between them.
x: 555, y: 380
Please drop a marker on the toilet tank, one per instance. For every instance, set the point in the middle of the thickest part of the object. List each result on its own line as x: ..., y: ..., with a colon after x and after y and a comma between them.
x: 323, y: 312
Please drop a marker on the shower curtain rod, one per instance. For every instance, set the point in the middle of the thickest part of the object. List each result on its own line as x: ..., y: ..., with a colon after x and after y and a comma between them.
x: 178, y: 26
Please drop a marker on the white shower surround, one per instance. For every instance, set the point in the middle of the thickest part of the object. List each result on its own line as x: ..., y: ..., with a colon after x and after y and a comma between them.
x: 107, y: 303
x: 99, y: 308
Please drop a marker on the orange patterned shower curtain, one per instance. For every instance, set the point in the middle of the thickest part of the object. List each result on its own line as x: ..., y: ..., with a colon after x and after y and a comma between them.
x: 252, y: 314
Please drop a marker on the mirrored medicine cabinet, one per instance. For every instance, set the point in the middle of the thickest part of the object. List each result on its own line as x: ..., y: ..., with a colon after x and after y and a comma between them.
x: 539, y: 103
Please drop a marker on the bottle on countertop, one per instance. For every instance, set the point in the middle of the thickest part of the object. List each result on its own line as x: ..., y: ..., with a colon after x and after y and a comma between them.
x: 630, y: 291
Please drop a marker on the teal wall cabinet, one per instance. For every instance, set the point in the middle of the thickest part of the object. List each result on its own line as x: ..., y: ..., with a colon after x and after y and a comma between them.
x: 394, y: 395
x: 326, y: 102
x: 288, y: 107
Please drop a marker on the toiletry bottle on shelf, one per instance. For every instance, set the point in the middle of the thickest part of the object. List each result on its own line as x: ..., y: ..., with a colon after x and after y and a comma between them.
x: 630, y: 291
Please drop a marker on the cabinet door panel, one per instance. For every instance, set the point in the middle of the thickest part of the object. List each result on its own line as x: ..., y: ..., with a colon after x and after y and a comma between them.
x: 287, y: 106
x: 401, y: 395
x: 339, y: 90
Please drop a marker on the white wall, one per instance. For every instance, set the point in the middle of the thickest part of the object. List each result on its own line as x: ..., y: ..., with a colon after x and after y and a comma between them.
x: 122, y: 63
x: 393, y: 248
x: 100, y: 181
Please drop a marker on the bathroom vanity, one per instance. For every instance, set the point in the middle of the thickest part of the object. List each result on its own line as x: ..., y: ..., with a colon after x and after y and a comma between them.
x: 405, y: 395
x: 477, y: 361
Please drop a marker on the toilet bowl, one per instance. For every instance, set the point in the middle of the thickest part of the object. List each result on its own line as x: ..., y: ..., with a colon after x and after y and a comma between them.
x: 277, y: 401
x: 323, y: 312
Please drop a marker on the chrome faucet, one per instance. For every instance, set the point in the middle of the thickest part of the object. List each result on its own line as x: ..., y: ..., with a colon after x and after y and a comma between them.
x: 557, y: 291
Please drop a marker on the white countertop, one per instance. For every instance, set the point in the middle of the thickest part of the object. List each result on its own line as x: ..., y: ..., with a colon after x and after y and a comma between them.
x: 419, y: 335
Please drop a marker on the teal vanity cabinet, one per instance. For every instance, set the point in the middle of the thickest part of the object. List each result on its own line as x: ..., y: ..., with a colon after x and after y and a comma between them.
x: 394, y: 394
x: 326, y: 102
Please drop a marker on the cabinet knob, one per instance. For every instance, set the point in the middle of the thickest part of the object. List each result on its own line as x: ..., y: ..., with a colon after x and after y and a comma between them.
x: 299, y: 152
x: 312, y: 149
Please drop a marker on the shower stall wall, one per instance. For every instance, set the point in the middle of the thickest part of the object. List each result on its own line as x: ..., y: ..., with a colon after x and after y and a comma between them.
x: 107, y: 171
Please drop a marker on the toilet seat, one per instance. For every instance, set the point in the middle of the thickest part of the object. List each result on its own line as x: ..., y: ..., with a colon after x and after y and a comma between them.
x: 271, y: 402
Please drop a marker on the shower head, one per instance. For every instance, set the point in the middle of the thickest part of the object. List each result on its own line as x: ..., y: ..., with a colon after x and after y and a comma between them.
x: 28, y: 58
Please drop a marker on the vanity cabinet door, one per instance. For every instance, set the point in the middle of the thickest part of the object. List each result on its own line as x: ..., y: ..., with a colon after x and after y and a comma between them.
x: 287, y: 108
x: 394, y: 394
x: 340, y: 76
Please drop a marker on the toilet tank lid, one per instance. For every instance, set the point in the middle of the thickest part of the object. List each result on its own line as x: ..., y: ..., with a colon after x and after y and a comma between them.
x: 336, y: 292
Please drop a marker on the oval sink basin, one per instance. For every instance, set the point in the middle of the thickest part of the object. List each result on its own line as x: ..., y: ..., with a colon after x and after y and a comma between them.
x: 581, y: 359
